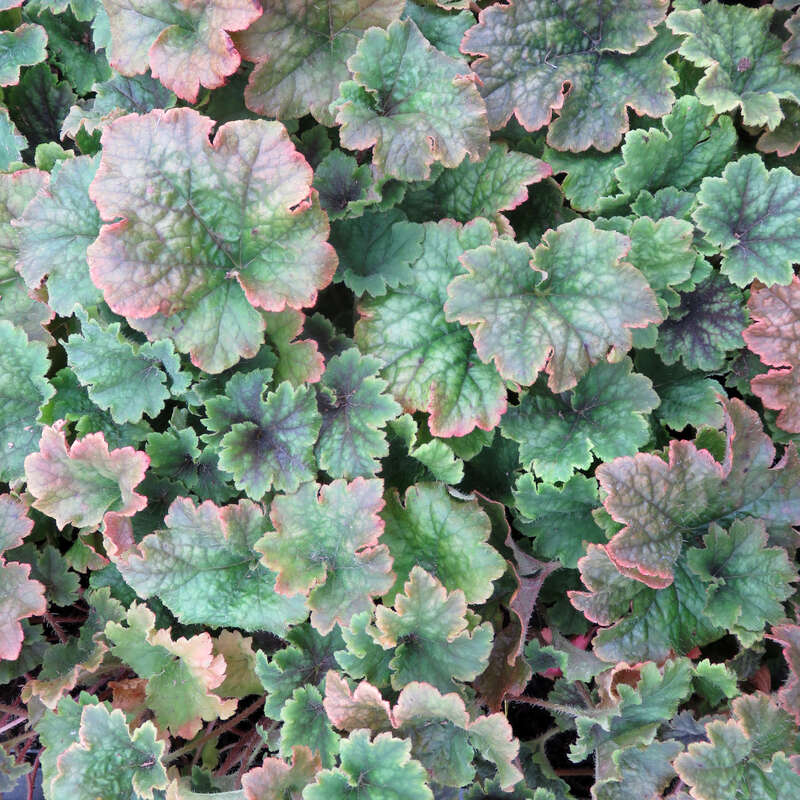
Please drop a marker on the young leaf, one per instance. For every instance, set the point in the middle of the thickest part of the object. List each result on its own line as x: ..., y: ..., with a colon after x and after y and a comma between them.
x: 362, y: 708
x: 107, y: 761
x: 497, y: 183
x: 20, y: 48
x: 748, y: 580
x: 325, y: 546
x: 254, y: 236
x: 775, y: 337
x: 430, y: 632
x: 181, y: 673
x: 414, y: 104
x: 609, y: 53
x: 605, y: 416
x: 81, y: 483
x: 705, y: 327
x: 125, y: 378
x: 443, y: 535
x: 54, y: 232
x: 298, y: 361
x: 301, y: 51
x: 274, y: 445
x: 204, y: 569
x: 354, y: 409
x: 381, y: 769
x: 186, y: 46
x: 430, y: 363
x: 742, y: 59
x: 23, y: 366
x: 749, y: 214
x: 660, y: 502
x: 277, y: 780
x: 363, y: 656
x: 560, y: 307
x: 376, y: 251
x: 305, y: 723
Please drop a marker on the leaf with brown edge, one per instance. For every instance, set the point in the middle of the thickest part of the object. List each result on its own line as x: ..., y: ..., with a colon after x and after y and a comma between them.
x: 246, y: 229
x: 301, y: 51
x: 559, y: 308
x: 788, y: 635
x: 276, y: 779
x: 774, y: 337
x: 364, y: 707
x: 185, y: 44
x: 661, y: 503
x: 325, y: 546
x: 81, y: 483
x: 609, y: 53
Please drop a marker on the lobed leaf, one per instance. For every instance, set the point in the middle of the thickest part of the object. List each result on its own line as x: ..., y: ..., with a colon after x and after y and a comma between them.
x: 246, y: 230
x: 20, y: 48
x: 560, y: 307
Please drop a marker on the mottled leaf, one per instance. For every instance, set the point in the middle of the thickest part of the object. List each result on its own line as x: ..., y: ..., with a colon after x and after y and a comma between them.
x: 20, y: 48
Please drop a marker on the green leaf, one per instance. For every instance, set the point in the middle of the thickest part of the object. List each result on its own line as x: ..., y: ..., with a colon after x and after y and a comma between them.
x: 204, y: 569
x: 345, y: 187
x: 430, y: 632
x: 442, y: 29
x: 12, y: 142
x: 411, y: 102
x: 274, y: 447
x: 590, y: 175
x: 560, y: 307
x: 354, y: 410
x: 376, y: 250
x: 749, y: 580
x: 750, y: 214
x: 440, y: 461
x: 706, y: 325
x: 20, y: 48
x: 181, y: 673
x: 303, y: 662
x: 107, y: 761
x: 381, y: 769
x: 50, y: 568
x: 301, y: 53
x: 363, y: 656
x: 661, y: 502
x: 81, y: 483
x: 306, y: 723
x: 559, y: 519
x: 23, y: 366
x: 120, y: 95
x: 639, y: 622
x: 637, y: 772
x: 610, y: 54
x: 445, y: 536
x: 185, y: 46
x: 54, y: 232
x: 430, y: 364
x: 128, y: 379
x: 715, y: 682
x: 325, y: 546
x: 250, y: 235
x: 496, y: 183
x: 743, y: 61
x: 605, y: 416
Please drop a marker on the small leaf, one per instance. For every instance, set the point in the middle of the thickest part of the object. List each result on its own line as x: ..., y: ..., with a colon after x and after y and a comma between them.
x: 107, y: 761
x: 204, y: 569
x: 354, y: 409
x: 430, y: 634
x: 185, y: 46
x: 277, y: 780
x: 749, y: 214
x: 560, y: 307
x: 443, y: 535
x: 610, y: 55
x: 414, y: 104
x: 81, y: 483
x: 325, y: 546
x: 305, y: 722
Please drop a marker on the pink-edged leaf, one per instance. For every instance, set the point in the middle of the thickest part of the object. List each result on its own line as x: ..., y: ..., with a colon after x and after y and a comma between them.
x: 276, y: 779
x: 558, y: 308
x: 15, y: 524
x: 20, y: 597
x: 185, y: 43
x: 775, y: 337
x: 81, y: 483
x: 246, y: 228
x: 364, y: 707
x: 325, y: 546
x: 788, y: 636
x: 660, y: 502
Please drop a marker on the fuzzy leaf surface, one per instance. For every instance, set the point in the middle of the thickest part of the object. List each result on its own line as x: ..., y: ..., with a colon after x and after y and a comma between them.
x: 412, y: 103
x: 610, y: 54
x: 557, y: 308
x: 208, y: 230
x: 325, y: 546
